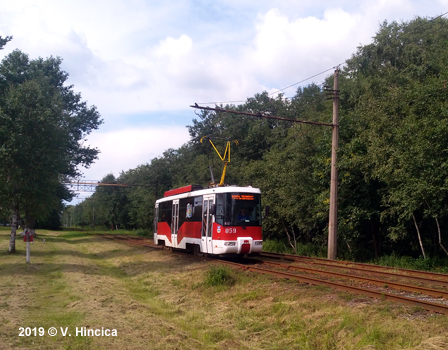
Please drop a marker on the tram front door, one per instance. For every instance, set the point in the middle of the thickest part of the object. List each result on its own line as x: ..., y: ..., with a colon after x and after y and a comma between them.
x: 207, y: 224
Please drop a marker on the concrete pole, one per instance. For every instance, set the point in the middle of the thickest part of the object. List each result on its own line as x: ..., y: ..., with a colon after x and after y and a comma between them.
x: 333, y: 217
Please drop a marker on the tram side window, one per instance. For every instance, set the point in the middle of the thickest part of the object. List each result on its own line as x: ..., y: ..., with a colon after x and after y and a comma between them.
x: 190, y: 210
x: 165, y: 212
x: 197, y: 209
x: 156, y: 217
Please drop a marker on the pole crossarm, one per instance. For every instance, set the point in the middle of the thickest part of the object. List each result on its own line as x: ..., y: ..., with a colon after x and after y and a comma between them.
x: 259, y: 115
x: 332, y: 94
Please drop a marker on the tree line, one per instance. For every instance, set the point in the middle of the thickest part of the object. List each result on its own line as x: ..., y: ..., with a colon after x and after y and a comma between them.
x: 392, y: 161
x: 393, y: 156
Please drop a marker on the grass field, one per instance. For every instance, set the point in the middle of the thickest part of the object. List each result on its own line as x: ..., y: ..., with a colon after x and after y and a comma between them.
x: 157, y: 300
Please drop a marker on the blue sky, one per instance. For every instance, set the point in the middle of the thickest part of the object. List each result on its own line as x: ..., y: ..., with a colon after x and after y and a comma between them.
x: 143, y: 63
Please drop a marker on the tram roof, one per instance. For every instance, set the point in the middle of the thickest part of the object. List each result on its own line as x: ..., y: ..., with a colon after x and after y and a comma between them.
x: 193, y: 190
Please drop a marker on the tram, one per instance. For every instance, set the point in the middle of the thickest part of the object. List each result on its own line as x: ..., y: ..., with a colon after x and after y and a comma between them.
x: 217, y: 220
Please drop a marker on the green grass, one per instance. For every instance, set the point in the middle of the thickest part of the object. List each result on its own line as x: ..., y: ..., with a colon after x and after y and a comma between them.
x: 137, y: 232
x: 277, y: 246
x: 159, y: 300
x: 406, y: 262
x: 219, y: 276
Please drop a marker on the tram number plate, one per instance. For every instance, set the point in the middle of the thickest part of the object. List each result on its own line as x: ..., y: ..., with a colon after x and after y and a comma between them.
x: 231, y: 230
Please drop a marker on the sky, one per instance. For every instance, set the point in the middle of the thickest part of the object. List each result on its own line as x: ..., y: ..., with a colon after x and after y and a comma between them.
x: 142, y: 63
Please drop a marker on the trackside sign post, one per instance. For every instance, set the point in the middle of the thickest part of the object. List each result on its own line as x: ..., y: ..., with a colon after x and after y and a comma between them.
x: 28, y: 237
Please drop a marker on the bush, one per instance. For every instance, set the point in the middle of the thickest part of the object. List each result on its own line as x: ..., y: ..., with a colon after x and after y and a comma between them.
x: 275, y: 246
x: 310, y: 249
x: 219, y: 276
x: 143, y: 232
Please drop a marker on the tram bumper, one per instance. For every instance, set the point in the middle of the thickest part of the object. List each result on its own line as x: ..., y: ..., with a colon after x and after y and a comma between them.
x: 242, y: 245
x: 245, y: 245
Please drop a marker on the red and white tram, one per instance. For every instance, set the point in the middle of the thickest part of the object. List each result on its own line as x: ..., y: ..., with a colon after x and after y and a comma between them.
x: 216, y: 220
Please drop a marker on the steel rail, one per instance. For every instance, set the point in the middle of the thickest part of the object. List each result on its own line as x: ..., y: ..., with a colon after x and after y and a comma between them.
x: 434, y: 307
x: 399, y: 286
x: 386, y: 270
x: 136, y: 241
x: 430, y: 306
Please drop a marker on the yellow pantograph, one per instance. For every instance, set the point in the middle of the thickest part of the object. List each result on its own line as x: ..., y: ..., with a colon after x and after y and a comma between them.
x: 225, y: 158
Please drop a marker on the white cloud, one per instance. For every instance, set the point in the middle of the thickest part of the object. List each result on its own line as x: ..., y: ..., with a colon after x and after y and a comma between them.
x: 125, y: 149
x: 174, y: 48
x: 148, y: 57
x: 287, y: 48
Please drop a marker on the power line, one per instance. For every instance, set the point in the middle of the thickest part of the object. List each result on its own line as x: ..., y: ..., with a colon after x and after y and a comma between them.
x: 424, y: 23
x: 258, y: 115
x: 315, y: 75
x: 302, y: 81
x: 275, y: 92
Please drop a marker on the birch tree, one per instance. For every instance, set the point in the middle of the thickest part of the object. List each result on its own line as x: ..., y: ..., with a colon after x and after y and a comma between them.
x: 43, y: 123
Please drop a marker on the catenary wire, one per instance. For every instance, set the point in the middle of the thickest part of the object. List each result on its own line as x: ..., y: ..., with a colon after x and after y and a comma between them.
x: 325, y: 71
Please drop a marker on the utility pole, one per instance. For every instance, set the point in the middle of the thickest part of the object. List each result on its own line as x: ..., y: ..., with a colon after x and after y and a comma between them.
x: 333, y: 217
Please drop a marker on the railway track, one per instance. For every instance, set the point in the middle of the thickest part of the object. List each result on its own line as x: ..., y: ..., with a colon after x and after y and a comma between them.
x: 423, y: 276
x: 417, y: 302
x: 422, y: 289
x: 133, y: 240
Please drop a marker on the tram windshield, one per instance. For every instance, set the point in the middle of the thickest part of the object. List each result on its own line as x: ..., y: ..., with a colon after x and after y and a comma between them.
x: 238, y: 209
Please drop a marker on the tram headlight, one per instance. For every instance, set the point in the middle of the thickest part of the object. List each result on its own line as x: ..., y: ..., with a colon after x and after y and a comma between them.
x: 229, y: 244
x: 258, y: 243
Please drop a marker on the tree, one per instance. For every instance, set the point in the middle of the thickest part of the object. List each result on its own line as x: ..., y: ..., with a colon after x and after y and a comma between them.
x: 398, y: 120
x: 43, y: 124
x: 4, y: 41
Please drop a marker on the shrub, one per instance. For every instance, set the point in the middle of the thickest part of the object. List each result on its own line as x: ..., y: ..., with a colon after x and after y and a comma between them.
x: 143, y: 232
x: 219, y: 276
